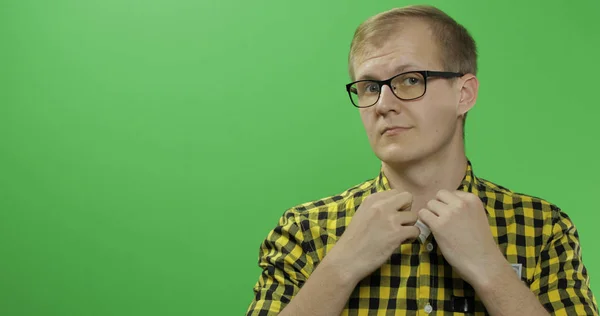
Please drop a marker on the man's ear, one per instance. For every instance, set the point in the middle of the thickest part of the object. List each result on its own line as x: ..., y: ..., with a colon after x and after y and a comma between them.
x: 469, y: 87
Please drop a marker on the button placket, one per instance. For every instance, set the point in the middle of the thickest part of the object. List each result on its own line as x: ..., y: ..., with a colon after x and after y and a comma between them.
x: 425, y: 269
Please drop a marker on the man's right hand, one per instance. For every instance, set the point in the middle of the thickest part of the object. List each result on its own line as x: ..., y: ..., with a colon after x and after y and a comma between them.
x: 382, y: 222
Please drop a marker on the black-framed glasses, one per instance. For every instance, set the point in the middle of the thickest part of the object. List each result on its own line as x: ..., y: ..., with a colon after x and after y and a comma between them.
x: 405, y: 86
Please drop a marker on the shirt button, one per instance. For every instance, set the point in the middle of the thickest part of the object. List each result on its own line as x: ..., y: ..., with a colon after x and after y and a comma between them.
x: 428, y: 308
x: 429, y: 247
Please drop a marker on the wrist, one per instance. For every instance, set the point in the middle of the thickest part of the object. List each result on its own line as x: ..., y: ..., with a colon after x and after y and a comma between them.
x: 338, y: 264
x: 338, y: 272
x: 494, y: 274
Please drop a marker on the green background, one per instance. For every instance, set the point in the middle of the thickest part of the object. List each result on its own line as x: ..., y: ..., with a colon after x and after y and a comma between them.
x: 147, y: 147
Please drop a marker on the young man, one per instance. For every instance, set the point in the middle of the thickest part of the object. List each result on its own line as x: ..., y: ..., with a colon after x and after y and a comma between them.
x: 426, y: 235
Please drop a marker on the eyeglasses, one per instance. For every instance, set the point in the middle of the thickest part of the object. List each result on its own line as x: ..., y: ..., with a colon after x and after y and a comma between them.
x: 405, y: 86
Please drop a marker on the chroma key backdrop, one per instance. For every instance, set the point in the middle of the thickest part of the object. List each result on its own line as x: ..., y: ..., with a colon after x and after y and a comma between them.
x: 148, y: 147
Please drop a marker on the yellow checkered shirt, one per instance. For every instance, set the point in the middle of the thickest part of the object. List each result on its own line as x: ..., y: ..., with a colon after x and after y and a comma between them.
x: 416, y: 280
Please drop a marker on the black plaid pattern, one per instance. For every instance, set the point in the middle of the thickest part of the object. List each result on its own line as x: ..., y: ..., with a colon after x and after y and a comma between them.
x: 529, y: 231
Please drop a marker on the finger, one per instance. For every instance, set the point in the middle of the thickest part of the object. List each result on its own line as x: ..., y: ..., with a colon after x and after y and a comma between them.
x: 448, y: 197
x: 401, y: 201
x: 428, y: 217
x: 465, y: 195
x: 407, y: 218
x: 380, y: 199
x: 410, y: 234
x: 437, y: 207
x: 380, y: 196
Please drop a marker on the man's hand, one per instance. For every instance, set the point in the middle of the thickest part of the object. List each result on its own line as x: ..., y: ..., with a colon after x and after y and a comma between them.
x: 382, y: 222
x: 460, y: 225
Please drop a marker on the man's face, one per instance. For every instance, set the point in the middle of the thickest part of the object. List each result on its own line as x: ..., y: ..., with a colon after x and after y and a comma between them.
x: 427, y: 124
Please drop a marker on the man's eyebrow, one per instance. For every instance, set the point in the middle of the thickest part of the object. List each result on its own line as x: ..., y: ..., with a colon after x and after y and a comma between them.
x: 399, y: 69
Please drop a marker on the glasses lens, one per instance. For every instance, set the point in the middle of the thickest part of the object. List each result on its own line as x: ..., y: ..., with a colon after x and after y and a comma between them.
x: 409, y: 85
x: 364, y: 93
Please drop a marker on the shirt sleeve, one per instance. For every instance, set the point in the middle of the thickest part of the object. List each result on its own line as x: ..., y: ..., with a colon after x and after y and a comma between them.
x: 560, y: 280
x: 285, y: 267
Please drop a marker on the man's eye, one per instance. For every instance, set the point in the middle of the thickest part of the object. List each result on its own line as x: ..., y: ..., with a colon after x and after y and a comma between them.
x: 411, y: 81
x: 372, y: 88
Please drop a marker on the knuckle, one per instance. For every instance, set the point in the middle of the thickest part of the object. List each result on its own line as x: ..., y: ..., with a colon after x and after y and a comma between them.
x: 377, y: 207
x: 405, y: 198
x: 473, y: 198
x: 469, y: 196
x: 369, y: 198
x: 407, y: 195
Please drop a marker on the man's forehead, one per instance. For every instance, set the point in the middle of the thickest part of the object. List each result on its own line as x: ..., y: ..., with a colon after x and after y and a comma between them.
x: 402, y: 52
x: 410, y: 44
x: 380, y: 71
x: 381, y: 66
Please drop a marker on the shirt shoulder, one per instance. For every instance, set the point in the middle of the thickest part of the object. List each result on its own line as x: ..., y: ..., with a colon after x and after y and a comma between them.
x: 323, y: 221
x: 534, y: 217
x: 504, y: 198
x: 339, y: 202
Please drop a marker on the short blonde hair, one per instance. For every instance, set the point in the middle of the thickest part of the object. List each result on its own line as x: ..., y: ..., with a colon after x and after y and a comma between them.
x: 457, y: 47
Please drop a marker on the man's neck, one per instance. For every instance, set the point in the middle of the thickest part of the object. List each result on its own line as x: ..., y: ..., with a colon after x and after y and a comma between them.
x: 425, y: 178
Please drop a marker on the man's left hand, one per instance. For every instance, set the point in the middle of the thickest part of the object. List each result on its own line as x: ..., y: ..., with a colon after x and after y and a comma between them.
x: 461, y: 229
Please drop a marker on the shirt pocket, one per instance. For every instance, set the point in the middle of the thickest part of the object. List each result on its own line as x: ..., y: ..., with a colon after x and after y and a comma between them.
x: 464, y: 300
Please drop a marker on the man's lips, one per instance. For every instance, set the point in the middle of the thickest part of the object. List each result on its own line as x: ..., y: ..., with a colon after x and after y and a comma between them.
x: 392, y: 130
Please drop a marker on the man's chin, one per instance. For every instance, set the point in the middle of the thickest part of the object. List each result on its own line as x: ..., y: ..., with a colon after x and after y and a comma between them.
x: 396, y: 156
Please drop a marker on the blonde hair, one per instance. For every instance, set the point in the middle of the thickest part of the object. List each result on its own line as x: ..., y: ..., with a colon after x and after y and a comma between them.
x: 457, y: 47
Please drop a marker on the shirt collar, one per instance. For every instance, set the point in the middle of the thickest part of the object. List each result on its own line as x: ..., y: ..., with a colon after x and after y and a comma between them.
x: 468, y: 183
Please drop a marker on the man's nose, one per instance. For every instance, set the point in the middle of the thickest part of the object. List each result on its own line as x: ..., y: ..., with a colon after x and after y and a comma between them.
x: 387, y: 99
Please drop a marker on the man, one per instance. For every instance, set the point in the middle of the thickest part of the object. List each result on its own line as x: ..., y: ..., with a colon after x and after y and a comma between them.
x: 426, y: 235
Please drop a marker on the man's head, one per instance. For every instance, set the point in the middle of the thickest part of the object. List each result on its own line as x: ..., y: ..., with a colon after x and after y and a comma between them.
x: 412, y: 39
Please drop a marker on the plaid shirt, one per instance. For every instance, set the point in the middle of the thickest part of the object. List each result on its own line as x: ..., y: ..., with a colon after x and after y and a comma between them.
x: 416, y: 279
